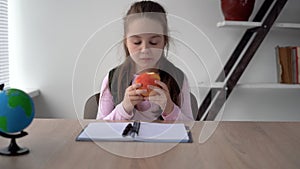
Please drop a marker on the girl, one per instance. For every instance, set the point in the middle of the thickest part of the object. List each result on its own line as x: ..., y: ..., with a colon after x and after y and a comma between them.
x: 145, y: 42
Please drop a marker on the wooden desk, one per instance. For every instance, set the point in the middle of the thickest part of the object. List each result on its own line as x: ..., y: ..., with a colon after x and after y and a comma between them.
x: 233, y: 145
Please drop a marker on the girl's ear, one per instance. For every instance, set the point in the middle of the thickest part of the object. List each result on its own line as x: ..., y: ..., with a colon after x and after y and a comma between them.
x: 166, y: 39
x: 125, y: 47
x: 125, y: 42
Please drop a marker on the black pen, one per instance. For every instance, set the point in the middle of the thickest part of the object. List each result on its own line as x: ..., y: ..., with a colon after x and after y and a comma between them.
x: 127, y: 129
x: 138, y: 124
x: 135, y: 128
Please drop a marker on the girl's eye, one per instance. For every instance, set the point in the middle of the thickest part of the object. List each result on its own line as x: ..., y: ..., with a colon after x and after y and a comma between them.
x: 137, y: 43
x: 153, y: 43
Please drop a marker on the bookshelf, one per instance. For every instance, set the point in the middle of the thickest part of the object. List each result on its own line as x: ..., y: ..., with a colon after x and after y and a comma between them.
x: 256, y: 31
x: 220, y: 85
x: 249, y: 25
x: 268, y: 86
x: 245, y: 24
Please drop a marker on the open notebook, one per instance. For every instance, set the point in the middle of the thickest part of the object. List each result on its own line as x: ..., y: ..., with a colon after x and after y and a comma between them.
x: 148, y: 132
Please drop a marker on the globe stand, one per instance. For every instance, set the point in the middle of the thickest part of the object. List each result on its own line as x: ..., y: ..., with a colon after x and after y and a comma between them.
x: 13, y: 149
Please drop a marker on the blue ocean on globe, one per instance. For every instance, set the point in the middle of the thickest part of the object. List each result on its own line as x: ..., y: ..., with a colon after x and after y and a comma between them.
x: 16, y: 110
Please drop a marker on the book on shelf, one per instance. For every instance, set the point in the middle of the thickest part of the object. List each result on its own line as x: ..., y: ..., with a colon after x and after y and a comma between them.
x: 135, y: 131
x: 297, y: 55
x: 288, y: 64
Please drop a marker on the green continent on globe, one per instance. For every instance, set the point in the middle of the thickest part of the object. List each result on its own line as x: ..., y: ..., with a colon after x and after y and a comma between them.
x: 20, y: 100
x: 3, y: 123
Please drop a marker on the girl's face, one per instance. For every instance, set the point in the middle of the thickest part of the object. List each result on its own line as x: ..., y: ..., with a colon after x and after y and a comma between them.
x: 145, y: 43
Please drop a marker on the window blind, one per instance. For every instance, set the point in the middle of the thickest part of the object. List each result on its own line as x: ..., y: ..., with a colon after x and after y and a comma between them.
x: 4, y: 61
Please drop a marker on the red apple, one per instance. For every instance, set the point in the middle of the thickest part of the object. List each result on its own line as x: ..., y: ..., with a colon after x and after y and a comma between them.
x: 147, y: 78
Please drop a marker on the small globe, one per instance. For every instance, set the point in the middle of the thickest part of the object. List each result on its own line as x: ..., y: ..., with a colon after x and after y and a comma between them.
x: 16, y: 110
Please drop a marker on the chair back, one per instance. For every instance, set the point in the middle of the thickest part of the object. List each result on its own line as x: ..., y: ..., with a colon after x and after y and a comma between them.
x: 91, y: 107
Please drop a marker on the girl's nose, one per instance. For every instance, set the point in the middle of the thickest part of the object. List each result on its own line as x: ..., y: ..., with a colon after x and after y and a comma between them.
x: 144, y: 48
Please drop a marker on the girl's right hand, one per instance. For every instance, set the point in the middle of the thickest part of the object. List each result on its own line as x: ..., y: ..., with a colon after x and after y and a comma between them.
x: 132, y: 97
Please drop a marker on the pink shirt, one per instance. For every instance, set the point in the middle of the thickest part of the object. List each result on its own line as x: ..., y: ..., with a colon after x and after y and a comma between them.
x: 145, y: 111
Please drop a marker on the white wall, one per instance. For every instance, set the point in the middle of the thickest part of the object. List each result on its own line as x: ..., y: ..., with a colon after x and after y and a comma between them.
x: 66, y: 47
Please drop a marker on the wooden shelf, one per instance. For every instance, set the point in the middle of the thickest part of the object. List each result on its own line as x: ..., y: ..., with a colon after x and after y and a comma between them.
x: 250, y: 41
x: 220, y: 85
x: 268, y: 86
x: 246, y: 24
x: 213, y: 85
x: 32, y: 92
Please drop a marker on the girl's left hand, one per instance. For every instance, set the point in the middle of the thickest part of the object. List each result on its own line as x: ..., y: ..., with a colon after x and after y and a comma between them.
x: 161, y: 96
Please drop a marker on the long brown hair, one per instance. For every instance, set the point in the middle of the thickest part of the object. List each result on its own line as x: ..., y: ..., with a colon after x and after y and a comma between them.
x: 121, y: 76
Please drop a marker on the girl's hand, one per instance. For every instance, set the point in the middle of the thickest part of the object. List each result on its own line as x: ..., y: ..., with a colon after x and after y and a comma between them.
x: 161, y: 96
x: 132, y: 97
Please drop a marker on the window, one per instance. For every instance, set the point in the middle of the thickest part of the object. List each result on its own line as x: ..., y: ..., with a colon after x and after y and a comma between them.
x: 4, y: 69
